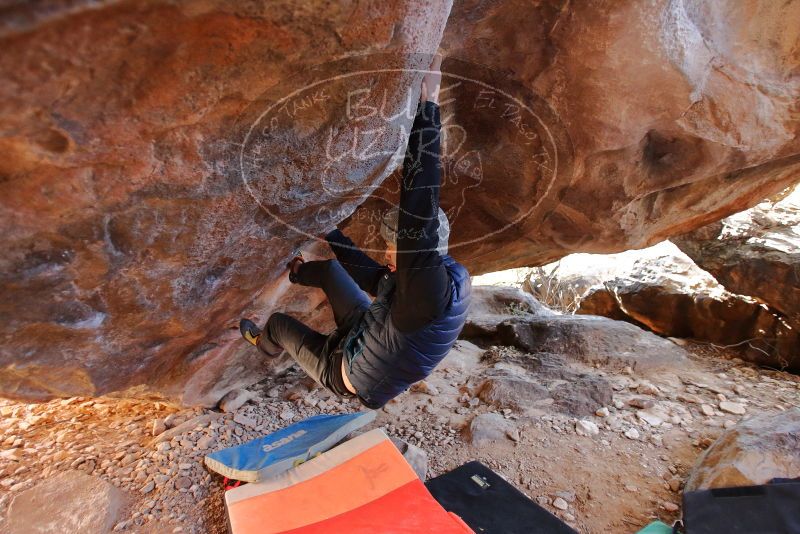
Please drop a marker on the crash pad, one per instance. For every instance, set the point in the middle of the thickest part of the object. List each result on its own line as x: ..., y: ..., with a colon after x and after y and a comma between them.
x: 362, y: 486
x: 769, y: 508
x: 276, y: 452
x: 490, y: 505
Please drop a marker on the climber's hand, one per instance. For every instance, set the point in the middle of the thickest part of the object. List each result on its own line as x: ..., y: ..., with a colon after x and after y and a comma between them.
x: 294, y: 265
x: 432, y: 81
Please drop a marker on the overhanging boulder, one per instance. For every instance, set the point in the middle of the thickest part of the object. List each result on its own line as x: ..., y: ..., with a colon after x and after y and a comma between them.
x: 161, y: 160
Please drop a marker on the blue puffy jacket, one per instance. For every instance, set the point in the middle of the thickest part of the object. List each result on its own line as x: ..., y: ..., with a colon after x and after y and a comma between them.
x: 382, y: 362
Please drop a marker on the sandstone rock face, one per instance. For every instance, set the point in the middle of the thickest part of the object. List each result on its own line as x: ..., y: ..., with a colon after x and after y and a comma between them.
x: 671, y: 296
x: 162, y: 160
x: 71, y: 502
x: 140, y: 214
x: 751, y: 453
x: 642, y: 122
x: 757, y: 253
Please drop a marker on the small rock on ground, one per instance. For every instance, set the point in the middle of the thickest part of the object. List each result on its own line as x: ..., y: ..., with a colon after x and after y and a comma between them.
x: 632, y: 433
x: 234, y: 399
x: 732, y: 407
x: 586, y: 428
x: 560, y: 503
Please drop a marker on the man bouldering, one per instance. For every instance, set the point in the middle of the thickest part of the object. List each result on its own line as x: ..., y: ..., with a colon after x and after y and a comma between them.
x: 382, y: 346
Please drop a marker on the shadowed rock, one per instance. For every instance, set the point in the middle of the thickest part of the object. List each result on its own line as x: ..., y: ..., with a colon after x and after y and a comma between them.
x: 491, y: 305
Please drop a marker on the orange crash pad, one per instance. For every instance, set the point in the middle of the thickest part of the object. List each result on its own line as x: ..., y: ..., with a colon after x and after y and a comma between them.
x: 363, y: 486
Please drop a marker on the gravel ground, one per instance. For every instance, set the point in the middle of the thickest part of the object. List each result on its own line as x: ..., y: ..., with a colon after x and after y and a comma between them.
x: 612, y: 468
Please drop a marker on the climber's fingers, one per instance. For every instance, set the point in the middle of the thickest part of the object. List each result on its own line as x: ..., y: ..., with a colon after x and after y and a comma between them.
x: 431, y: 81
x: 436, y: 64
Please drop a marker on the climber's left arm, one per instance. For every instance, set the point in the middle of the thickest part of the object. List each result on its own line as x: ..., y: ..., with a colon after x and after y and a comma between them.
x: 423, y: 284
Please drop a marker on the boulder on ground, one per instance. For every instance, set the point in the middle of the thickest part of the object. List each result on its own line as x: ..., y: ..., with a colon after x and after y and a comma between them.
x: 528, y: 382
x: 497, y: 316
x: 588, y: 339
x: 753, y: 452
x: 490, y: 305
x: 510, y: 390
x: 67, y: 503
x: 488, y: 428
x: 755, y: 252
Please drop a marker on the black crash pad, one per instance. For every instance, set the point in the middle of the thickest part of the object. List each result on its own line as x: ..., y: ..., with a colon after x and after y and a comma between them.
x: 768, y: 509
x: 490, y: 505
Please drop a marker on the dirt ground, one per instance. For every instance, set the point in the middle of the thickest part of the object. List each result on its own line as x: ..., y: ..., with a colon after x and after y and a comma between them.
x: 614, y: 481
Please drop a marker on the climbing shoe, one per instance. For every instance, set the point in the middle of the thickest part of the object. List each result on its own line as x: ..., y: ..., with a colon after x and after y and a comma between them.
x: 249, y: 331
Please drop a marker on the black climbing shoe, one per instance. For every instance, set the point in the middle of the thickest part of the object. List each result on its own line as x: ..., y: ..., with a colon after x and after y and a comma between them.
x: 249, y: 331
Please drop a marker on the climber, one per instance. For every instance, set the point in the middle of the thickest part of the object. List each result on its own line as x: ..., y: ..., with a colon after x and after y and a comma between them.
x: 381, y: 347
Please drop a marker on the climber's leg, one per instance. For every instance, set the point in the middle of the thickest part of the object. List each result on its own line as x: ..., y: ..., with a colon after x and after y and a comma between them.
x: 347, y: 299
x: 305, y: 345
